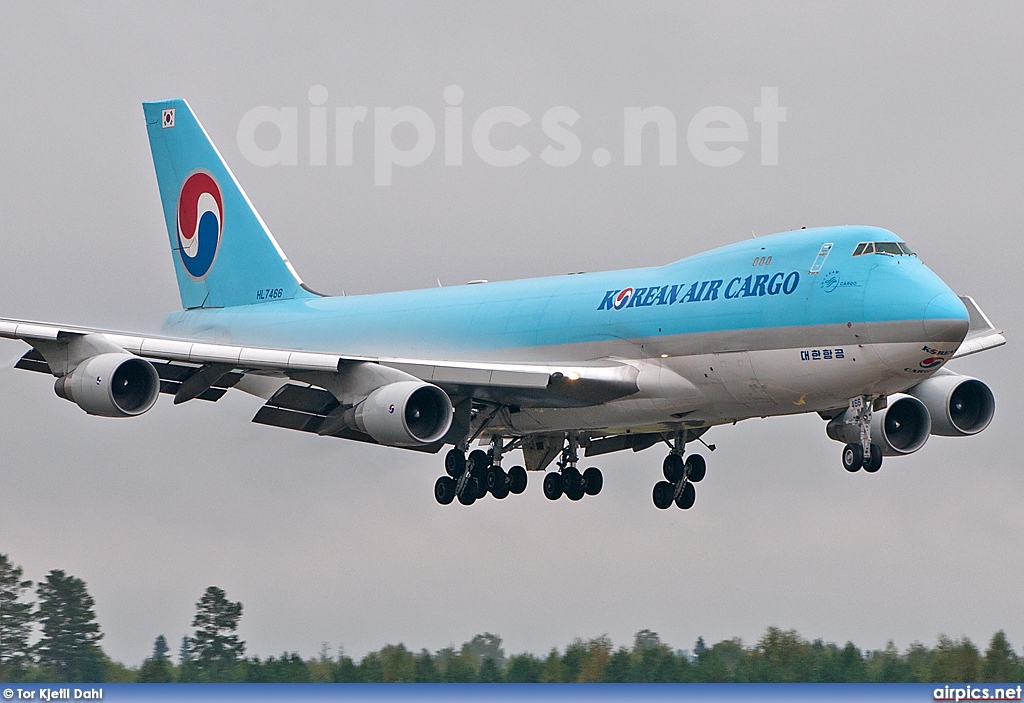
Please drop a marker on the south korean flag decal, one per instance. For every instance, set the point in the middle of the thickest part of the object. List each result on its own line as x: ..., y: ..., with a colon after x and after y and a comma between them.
x: 167, y: 118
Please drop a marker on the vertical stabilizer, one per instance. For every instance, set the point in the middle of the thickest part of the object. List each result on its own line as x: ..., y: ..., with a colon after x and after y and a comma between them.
x: 223, y: 252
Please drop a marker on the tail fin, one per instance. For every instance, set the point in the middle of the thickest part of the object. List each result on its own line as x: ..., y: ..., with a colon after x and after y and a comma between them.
x: 224, y: 254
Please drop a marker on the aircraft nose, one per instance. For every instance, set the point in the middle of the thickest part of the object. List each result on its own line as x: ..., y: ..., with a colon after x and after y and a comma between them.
x: 946, y: 318
x: 911, y: 293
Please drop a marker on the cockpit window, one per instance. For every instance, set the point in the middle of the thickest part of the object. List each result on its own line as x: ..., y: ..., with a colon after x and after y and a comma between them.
x: 891, y: 248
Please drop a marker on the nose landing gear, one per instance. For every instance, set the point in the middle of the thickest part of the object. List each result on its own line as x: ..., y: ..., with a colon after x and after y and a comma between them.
x: 863, y: 454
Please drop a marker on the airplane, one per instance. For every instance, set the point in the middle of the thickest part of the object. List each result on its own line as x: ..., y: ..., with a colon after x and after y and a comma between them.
x: 846, y: 322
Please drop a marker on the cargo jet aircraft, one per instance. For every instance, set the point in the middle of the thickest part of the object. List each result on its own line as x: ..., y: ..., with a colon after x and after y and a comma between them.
x: 846, y: 322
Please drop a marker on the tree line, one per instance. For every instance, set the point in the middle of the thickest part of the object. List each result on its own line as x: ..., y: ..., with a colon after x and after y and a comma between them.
x: 67, y: 649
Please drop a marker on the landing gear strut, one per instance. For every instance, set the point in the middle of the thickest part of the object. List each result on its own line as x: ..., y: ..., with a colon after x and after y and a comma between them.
x: 568, y: 480
x: 679, y: 477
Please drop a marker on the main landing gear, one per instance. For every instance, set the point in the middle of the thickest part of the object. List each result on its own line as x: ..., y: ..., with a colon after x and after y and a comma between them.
x: 471, y: 479
x: 568, y: 480
x: 679, y: 478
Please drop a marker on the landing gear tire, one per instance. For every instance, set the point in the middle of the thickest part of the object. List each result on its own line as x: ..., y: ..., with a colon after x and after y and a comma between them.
x: 572, y: 483
x: 444, y: 490
x: 593, y: 481
x: 672, y: 468
x: 497, y: 482
x: 553, y: 487
x: 686, y: 498
x: 470, y: 491
x: 853, y: 457
x: 696, y: 468
x: 663, y: 491
x: 478, y: 461
x: 516, y: 480
x: 874, y: 462
x: 455, y: 463
x: 495, y: 478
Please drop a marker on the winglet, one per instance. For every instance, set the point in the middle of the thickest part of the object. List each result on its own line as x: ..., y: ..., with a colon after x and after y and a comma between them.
x: 981, y: 334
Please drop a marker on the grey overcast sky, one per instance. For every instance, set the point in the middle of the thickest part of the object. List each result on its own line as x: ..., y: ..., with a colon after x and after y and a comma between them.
x: 908, y: 117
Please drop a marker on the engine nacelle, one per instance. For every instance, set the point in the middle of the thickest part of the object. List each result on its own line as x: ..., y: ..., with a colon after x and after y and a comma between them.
x: 959, y: 405
x: 111, y: 385
x: 405, y: 413
x: 900, y: 428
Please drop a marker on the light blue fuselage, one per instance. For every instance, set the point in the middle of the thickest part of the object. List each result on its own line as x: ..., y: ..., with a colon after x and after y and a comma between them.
x: 716, y: 294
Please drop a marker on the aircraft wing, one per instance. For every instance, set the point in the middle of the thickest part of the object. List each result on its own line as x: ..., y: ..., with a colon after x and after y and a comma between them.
x: 981, y: 334
x: 199, y: 369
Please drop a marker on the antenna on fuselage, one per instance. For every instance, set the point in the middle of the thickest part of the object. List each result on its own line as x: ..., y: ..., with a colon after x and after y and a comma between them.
x: 752, y: 234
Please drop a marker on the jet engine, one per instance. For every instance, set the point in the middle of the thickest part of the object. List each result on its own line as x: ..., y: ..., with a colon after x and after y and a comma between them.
x: 959, y: 405
x: 405, y: 413
x: 112, y: 385
x: 900, y: 428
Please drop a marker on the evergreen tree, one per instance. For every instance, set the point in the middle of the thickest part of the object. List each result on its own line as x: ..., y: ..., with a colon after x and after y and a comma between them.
x: 887, y: 666
x: 919, y: 661
x: 851, y: 665
x: 426, y: 668
x: 187, y: 670
x: 489, y: 672
x: 461, y: 667
x: 69, y: 646
x: 157, y: 668
x: 288, y: 669
x: 1000, y: 660
x: 160, y: 648
x: 524, y: 668
x: 16, y: 620
x: 721, y: 662
x: 215, y: 648
x: 371, y: 668
x: 554, y: 670
x: 345, y: 670
x: 781, y: 656
x: 619, y: 667
x: 573, y: 659
x: 955, y: 661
